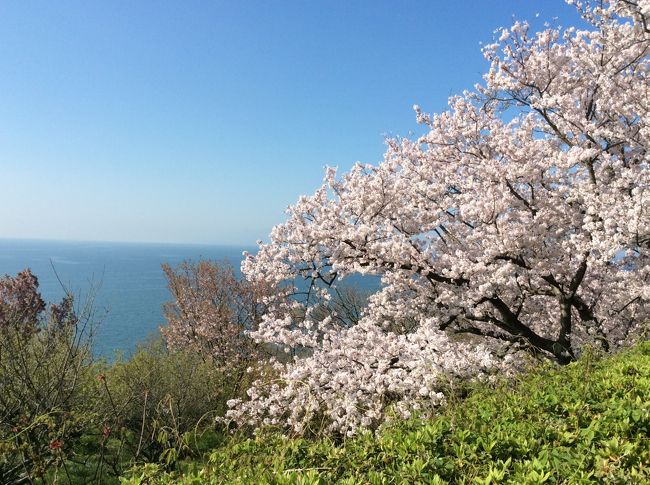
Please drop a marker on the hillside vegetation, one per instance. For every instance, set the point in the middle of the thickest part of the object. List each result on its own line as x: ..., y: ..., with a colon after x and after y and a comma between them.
x: 587, y: 422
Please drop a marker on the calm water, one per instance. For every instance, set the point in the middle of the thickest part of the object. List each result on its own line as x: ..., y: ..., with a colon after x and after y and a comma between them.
x: 129, y: 283
x: 130, y: 286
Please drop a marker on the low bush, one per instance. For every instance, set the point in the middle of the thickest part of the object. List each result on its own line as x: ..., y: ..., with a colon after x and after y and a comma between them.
x: 66, y: 417
x: 162, y: 405
x: 156, y: 406
x: 48, y: 395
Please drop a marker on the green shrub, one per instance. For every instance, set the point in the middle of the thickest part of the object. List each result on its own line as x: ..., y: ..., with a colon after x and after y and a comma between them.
x: 48, y: 394
x: 47, y: 405
x: 162, y: 405
x: 588, y: 422
x: 66, y: 417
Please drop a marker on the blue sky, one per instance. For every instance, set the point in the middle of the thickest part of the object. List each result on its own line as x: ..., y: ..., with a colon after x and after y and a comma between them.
x: 200, y: 121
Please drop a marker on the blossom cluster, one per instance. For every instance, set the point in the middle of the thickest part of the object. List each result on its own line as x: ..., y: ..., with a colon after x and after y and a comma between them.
x: 520, y: 220
x: 354, y: 375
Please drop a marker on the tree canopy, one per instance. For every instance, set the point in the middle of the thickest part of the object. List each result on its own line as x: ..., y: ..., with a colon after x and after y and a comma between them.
x: 519, y: 222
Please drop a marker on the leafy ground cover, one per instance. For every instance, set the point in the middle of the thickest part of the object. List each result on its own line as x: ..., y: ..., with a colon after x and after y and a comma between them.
x: 584, y: 423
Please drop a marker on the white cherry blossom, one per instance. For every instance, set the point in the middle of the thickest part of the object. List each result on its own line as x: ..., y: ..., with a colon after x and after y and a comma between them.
x: 519, y: 222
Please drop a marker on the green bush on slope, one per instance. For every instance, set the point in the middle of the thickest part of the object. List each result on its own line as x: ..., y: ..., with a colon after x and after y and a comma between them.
x: 157, y: 406
x: 588, y: 422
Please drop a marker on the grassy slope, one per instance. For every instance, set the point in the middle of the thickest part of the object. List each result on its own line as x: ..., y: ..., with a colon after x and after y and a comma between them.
x: 588, y: 422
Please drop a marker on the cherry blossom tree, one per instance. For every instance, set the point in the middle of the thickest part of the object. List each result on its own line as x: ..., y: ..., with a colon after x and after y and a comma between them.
x: 20, y: 302
x: 520, y: 221
x: 211, y: 310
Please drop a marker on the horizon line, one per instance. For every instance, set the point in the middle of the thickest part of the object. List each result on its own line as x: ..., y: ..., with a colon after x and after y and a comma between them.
x: 100, y: 241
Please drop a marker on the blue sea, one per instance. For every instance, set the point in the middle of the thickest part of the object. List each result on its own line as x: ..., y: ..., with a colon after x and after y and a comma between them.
x: 125, y: 279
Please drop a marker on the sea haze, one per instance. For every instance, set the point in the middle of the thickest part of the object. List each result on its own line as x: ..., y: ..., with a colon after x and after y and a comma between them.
x: 126, y: 279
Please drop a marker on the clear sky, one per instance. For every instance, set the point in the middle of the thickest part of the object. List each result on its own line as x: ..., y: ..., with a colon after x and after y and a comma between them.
x: 201, y: 121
